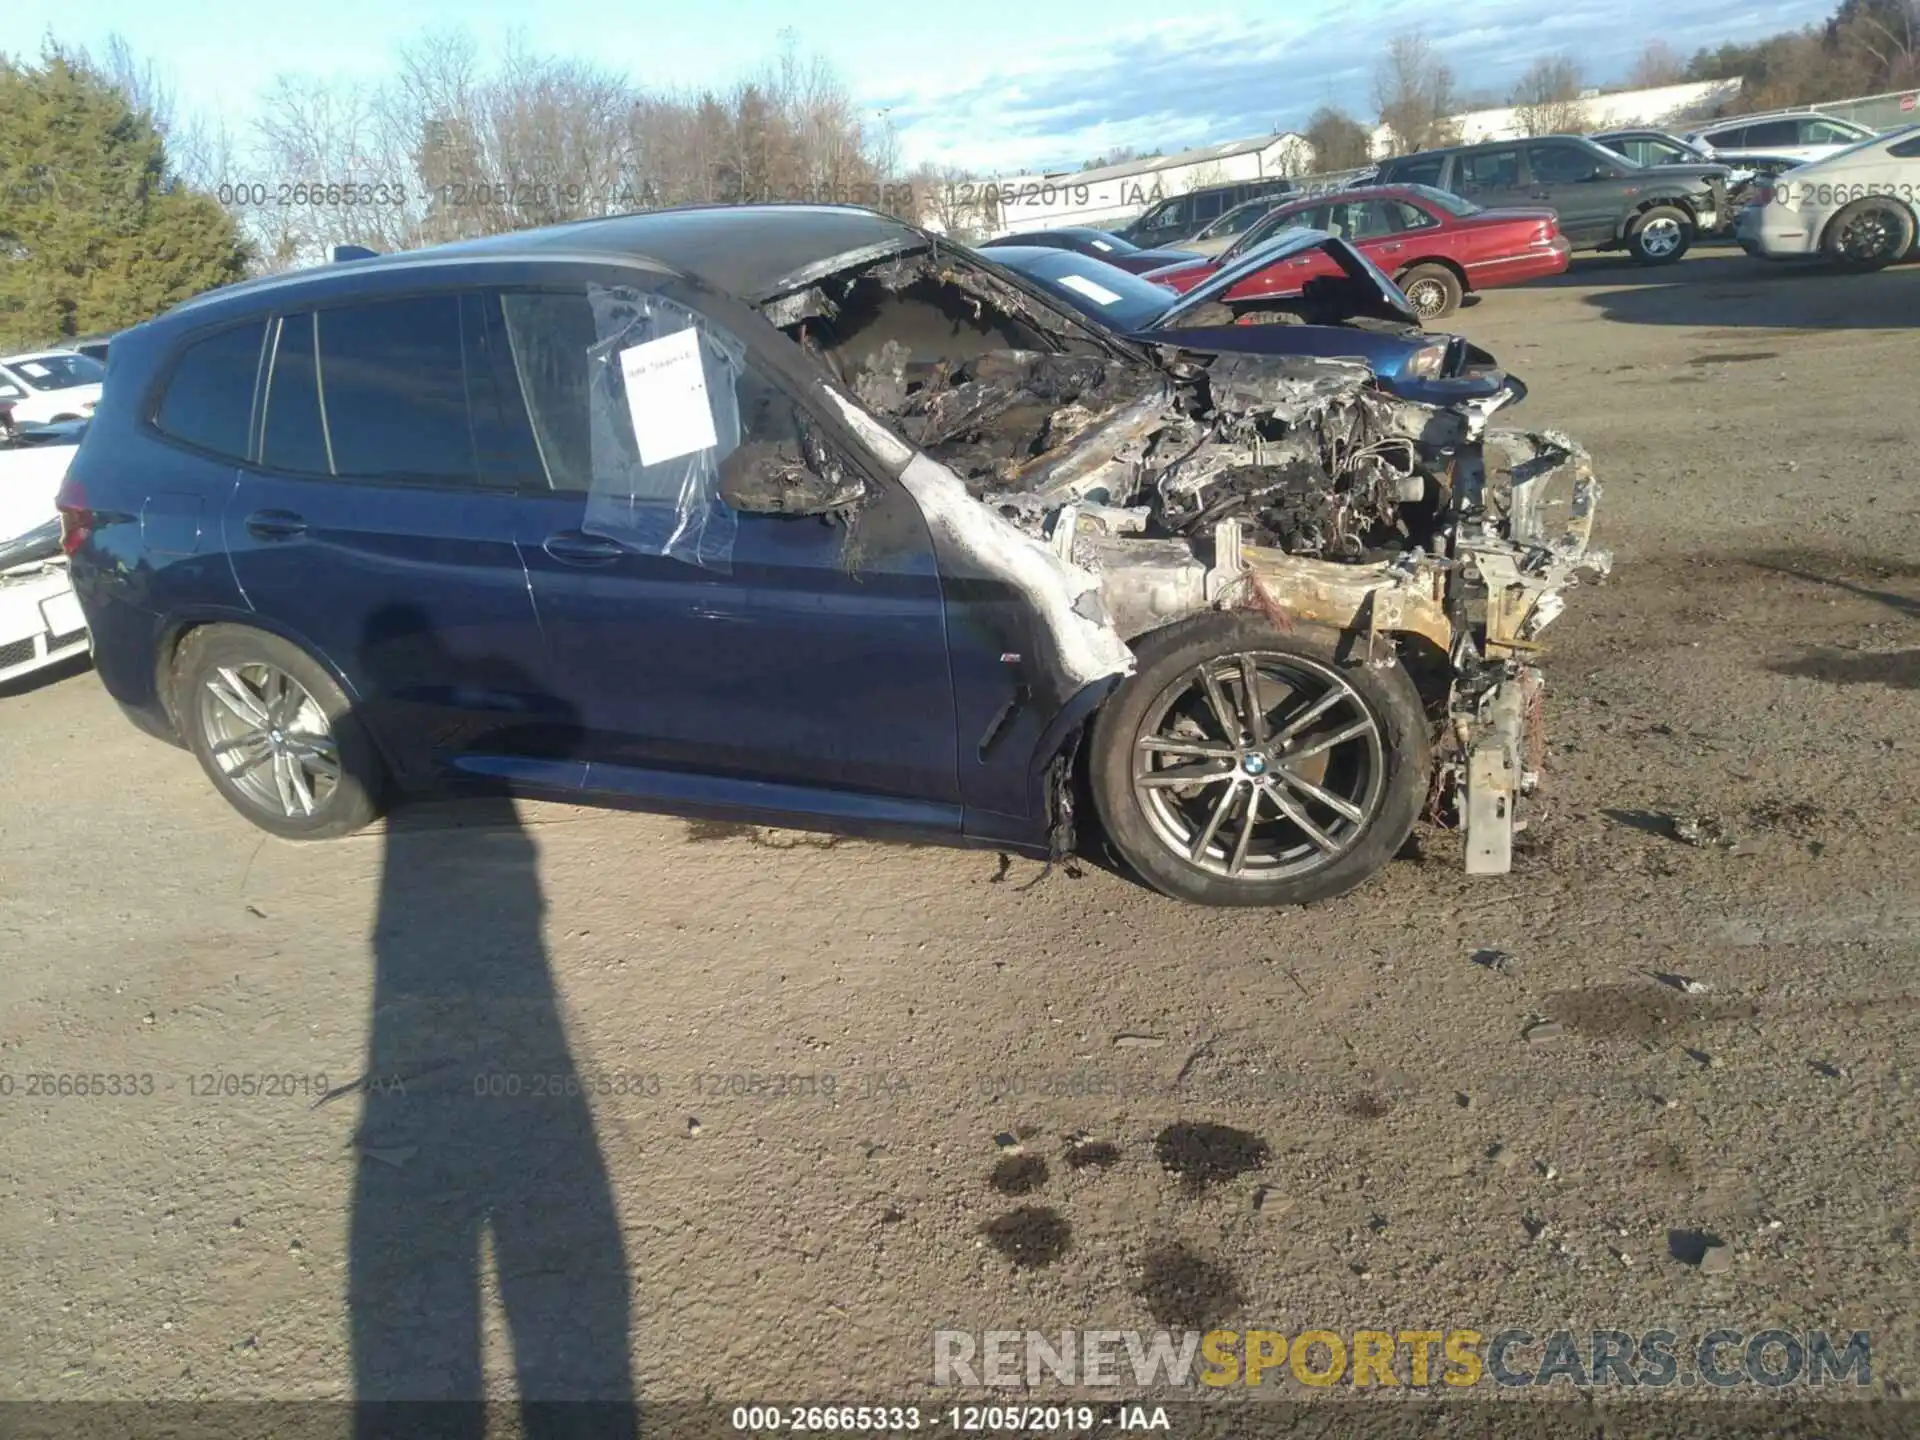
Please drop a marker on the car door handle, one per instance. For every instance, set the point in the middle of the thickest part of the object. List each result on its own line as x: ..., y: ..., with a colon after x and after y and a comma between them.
x: 570, y: 547
x: 1543, y: 195
x: 1389, y: 247
x: 275, y: 525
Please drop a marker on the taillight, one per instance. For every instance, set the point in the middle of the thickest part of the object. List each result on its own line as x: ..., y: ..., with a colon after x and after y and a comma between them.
x: 76, y: 520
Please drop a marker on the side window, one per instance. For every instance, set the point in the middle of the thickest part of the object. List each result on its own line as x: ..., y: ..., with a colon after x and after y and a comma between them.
x: 1488, y: 167
x: 1772, y: 132
x: 1825, y: 132
x: 394, y: 384
x: 634, y: 400
x: 1734, y: 137
x: 550, y: 338
x: 209, y: 396
x: 1171, y: 212
x: 1400, y: 216
x: 292, y: 435
x: 1207, y: 207
x: 1424, y: 170
x: 1907, y: 149
x: 1557, y: 164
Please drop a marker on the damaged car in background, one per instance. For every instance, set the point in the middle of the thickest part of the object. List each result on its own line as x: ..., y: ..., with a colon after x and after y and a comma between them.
x: 1348, y: 310
x: 826, y: 523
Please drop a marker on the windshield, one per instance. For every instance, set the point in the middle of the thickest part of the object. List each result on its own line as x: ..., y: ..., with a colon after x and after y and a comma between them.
x: 1109, y: 295
x: 58, y: 372
x: 1445, y: 200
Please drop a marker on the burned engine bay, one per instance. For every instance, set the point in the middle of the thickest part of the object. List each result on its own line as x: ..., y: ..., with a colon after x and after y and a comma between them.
x: 1292, y: 485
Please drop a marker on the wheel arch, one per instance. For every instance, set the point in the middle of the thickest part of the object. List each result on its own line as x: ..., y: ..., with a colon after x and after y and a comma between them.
x: 1913, y: 218
x: 173, y: 639
x: 1445, y: 262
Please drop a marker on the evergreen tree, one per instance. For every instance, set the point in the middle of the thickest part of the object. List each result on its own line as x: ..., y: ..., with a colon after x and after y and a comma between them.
x: 95, y: 233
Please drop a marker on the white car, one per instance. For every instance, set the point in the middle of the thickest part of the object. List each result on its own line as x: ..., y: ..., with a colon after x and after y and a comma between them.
x: 1800, y: 135
x: 40, y: 619
x: 50, y: 386
x: 1860, y: 208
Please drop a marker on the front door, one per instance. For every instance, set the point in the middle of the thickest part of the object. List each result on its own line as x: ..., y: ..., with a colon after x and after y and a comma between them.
x: 762, y: 663
x: 1577, y: 183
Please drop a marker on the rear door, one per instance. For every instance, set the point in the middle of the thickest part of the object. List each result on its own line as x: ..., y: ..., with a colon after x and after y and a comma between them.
x: 366, y: 532
x: 779, y: 664
x: 1577, y: 183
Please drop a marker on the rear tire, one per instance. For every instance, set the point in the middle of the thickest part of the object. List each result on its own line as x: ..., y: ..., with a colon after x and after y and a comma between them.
x: 1296, y: 818
x: 276, y: 735
x: 1870, y: 234
x: 1434, y: 291
x: 1660, y: 235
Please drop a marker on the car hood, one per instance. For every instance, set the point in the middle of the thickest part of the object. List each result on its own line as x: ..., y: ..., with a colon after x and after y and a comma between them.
x: 1290, y: 242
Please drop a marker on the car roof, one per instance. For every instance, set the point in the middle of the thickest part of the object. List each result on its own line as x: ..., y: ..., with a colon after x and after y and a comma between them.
x: 35, y: 355
x: 753, y: 252
x: 1727, y: 122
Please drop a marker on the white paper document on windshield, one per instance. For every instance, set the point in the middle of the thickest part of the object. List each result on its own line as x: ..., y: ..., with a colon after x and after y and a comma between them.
x: 667, y: 396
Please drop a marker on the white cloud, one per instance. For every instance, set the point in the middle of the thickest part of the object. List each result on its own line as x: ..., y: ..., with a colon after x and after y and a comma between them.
x: 1177, y: 83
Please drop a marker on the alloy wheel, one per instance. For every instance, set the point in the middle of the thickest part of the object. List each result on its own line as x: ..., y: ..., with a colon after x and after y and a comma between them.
x: 1259, y: 766
x: 270, y: 739
x: 1869, y: 235
x: 1660, y: 236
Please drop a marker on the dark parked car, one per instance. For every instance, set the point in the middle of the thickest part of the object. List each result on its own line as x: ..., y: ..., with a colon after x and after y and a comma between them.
x: 1604, y: 200
x: 802, y: 515
x: 1169, y: 221
x: 1100, y: 244
x: 1355, y: 312
x: 1653, y: 147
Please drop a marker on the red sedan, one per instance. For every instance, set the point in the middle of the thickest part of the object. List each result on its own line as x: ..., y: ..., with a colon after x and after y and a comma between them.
x: 1436, y: 245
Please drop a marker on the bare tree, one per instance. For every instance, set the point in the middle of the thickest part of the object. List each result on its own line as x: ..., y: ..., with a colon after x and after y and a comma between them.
x: 1339, y: 141
x: 1413, y: 87
x: 1547, y: 99
x: 1657, y: 64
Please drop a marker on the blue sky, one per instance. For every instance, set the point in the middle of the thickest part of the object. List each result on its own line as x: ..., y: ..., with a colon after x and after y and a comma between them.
x: 993, y: 85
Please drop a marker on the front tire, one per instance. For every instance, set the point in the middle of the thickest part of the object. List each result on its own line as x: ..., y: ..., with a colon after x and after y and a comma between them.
x: 1433, y: 290
x: 1661, y: 235
x: 1869, y: 234
x: 275, y: 734
x: 1298, y: 796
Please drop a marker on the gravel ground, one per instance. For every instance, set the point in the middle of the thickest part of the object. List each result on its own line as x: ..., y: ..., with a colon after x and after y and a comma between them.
x: 848, y: 1094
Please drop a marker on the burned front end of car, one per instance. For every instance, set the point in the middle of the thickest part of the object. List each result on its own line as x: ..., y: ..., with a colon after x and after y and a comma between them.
x: 1296, y: 488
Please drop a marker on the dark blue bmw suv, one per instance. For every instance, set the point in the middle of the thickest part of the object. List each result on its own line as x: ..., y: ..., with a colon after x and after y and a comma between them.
x: 791, y: 514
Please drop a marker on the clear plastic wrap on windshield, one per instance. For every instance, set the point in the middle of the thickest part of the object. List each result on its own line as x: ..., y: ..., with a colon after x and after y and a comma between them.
x: 667, y: 502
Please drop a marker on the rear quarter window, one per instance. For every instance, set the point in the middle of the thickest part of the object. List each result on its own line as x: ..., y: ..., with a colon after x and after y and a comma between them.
x: 207, y: 401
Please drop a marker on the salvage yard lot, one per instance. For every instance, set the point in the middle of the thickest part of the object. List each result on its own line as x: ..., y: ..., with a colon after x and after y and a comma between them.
x: 804, y: 1049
